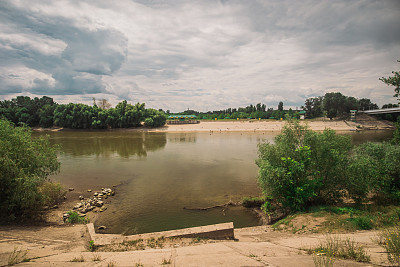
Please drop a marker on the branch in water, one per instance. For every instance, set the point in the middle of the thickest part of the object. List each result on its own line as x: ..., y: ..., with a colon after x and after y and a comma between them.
x: 229, y: 203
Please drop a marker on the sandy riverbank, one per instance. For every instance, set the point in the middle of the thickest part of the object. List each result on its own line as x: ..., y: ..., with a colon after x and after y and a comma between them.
x: 273, y: 126
x: 364, y: 122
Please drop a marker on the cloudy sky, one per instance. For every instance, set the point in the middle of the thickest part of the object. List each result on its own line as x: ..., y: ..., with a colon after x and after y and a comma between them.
x: 202, y: 55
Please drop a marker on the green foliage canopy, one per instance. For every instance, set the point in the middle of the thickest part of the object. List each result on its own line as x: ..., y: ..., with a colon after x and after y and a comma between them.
x: 393, y: 81
x: 303, y: 167
x: 25, y: 164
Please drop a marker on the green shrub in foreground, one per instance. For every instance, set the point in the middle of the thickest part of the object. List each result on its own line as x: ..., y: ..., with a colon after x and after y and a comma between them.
x: 25, y: 164
x: 303, y: 166
x: 390, y: 241
x: 375, y: 167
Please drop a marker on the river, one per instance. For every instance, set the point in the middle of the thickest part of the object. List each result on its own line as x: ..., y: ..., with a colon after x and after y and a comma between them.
x: 159, y: 173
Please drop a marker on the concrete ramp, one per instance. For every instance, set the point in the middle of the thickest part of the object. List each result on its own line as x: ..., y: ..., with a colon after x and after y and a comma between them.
x: 214, y: 231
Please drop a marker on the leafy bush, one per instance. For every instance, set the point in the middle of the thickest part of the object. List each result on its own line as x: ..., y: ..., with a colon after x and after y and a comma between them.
x: 362, y: 222
x: 396, y: 133
x: 51, y: 192
x: 267, y: 207
x: 73, y: 217
x: 293, y: 183
x: 376, y: 167
x: 391, y: 243
x: 25, y: 164
x: 304, y: 166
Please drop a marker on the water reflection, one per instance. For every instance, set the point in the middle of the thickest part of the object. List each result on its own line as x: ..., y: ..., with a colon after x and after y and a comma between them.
x: 369, y: 136
x: 107, y: 144
x: 183, y: 137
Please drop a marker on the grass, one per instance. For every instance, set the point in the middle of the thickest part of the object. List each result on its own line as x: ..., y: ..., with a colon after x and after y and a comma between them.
x: 96, y: 257
x: 141, y: 244
x: 79, y: 259
x: 75, y: 218
x: 166, y: 262
x: 111, y: 264
x: 390, y: 241
x: 197, y: 240
x: 285, y: 221
x: 137, y: 244
x: 156, y: 243
x: 322, y: 260
x: 91, y: 246
x: 17, y: 256
x: 334, y: 247
x: 346, y: 218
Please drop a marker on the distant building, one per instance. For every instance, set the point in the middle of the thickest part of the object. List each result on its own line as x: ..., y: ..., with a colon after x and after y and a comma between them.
x: 182, y: 119
x: 302, y: 114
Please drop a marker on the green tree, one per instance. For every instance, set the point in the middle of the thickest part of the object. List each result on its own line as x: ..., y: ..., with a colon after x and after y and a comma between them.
x: 334, y: 104
x: 366, y: 104
x: 155, y: 118
x: 46, y: 115
x: 393, y: 81
x: 313, y: 107
x: 280, y: 106
x: 25, y: 164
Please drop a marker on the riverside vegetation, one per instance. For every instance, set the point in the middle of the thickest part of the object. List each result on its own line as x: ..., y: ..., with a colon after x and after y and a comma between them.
x: 44, y: 112
x: 323, y: 174
x: 305, y: 168
x: 25, y: 164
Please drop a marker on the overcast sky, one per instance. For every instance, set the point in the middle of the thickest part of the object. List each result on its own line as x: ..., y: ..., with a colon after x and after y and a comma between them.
x: 202, y: 55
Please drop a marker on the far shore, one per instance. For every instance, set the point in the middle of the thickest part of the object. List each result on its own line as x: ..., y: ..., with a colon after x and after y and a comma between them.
x: 254, y: 126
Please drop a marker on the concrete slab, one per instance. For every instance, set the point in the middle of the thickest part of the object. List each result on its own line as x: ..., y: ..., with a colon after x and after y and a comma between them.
x: 215, y: 231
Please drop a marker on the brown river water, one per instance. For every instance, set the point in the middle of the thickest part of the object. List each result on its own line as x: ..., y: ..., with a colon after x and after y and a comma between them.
x: 159, y: 173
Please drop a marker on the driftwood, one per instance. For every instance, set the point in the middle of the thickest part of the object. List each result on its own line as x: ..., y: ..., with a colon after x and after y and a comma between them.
x: 266, y: 219
x: 229, y: 203
x: 224, y: 206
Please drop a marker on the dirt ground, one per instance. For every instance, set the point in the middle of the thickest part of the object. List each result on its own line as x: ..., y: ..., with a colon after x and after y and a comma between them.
x: 254, y: 246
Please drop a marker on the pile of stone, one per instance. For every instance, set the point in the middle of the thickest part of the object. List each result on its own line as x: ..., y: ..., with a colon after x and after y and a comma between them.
x: 91, y: 203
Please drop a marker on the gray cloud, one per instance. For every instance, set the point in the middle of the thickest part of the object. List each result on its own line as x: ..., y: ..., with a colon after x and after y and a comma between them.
x: 76, y: 67
x: 162, y: 52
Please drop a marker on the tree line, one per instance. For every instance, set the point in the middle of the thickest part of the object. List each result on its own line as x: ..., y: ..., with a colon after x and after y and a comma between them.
x: 335, y: 104
x: 44, y: 112
x: 330, y: 105
x: 249, y: 112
